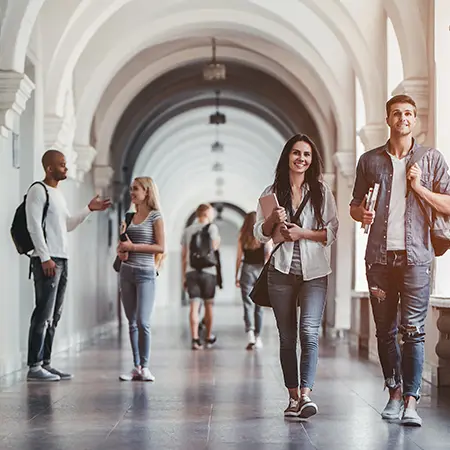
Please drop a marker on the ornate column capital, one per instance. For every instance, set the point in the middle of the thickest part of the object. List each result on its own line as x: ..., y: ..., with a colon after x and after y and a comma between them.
x: 345, y: 162
x: 15, y: 90
x: 373, y: 135
x: 85, y: 157
x: 418, y: 89
x: 103, y: 176
x: 330, y: 179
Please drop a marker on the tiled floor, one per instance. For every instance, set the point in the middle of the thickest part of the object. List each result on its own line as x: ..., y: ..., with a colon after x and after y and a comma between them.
x: 226, y: 398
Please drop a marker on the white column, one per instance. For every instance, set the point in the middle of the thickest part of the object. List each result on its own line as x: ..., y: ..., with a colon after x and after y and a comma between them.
x: 102, y: 179
x: 345, y: 164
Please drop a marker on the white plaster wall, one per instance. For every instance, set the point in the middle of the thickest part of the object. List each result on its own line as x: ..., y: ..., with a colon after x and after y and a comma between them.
x: 9, y: 264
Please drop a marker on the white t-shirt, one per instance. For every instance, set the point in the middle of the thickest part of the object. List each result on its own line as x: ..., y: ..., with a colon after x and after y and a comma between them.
x: 397, y: 206
x: 57, y: 224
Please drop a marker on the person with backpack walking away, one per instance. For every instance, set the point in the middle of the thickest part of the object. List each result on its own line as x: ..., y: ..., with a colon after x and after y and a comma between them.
x: 49, y: 261
x: 399, y: 250
x: 250, y: 259
x: 299, y: 267
x: 141, y: 246
x: 199, y: 270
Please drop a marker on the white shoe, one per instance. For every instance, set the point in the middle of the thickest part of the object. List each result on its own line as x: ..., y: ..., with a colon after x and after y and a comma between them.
x: 258, y: 342
x: 146, y: 375
x: 251, y: 337
x: 134, y: 375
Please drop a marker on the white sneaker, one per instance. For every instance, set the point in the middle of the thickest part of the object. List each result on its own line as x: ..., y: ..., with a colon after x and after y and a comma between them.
x: 258, y: 342
x: 146, y: 375
x: 251, y: 340
x: 134, y: 375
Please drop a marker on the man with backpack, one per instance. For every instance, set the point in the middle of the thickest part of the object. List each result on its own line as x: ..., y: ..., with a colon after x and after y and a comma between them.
x: 47, y: 222
x: 414, y: 185
x: 199, y: 244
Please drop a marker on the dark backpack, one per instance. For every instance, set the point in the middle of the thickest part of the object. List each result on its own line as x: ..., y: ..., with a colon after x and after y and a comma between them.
x: 19, y: 230
x: 201, y: 252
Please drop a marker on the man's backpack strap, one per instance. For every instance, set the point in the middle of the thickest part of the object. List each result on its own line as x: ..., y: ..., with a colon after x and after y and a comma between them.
x: 46, y: 205
x: 416, y: 157
x: 44, y: 216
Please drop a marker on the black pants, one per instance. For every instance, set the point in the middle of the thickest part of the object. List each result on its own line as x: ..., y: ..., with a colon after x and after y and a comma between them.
x: 49, y: 296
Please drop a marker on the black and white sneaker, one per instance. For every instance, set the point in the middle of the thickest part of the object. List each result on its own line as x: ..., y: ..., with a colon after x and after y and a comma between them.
x: 211, y: 341
x: 293, y: 408
x: 62, y: 375
x: 196, y: 344
x: 307, y: 407
x: 40, y: 374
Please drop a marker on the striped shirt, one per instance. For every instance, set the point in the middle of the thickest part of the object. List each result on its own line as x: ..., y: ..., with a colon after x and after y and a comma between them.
x: 296, y: 264
x: 143, y: 234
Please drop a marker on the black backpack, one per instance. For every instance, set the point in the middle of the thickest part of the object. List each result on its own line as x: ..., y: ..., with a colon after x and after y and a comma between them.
x: 19, y: 230
x: 201, y: 252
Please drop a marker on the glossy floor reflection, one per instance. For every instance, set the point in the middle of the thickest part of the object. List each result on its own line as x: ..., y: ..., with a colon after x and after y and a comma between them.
x: 225, y: 398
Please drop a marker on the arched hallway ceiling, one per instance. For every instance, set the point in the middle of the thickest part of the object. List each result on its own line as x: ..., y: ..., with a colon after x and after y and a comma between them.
x: 184, y: 89
x: 178, y: 156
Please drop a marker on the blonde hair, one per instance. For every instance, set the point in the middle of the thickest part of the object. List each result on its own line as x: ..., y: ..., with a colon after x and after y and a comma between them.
x: 152, y: 193
x: 152, y: 201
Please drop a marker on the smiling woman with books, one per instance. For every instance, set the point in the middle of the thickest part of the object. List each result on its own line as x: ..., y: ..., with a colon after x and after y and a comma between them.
x: 304, y: 219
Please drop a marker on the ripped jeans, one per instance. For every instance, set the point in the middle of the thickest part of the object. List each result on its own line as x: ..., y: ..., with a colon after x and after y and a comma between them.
x: 411, y: 285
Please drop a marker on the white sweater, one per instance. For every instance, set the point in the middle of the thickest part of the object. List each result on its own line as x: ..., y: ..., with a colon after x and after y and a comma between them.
x: 57, y: 224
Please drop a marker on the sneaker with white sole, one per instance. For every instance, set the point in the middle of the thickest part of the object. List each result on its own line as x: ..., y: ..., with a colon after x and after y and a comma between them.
x: 307, y: 407
x: 258, y: 342
x: 211, y: 341
x: 196, y: 344
x: 410, y: 418
x: 393, y: 409
x: 146, y: 375
x: 250, y: 340
x: 41, y: 374
x: 293, y: 408
x: 62, y: 375
x: 134, y: 375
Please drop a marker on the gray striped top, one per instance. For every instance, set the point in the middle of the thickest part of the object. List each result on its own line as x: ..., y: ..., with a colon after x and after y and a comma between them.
x: 143, y: 234
x: 296, y: 264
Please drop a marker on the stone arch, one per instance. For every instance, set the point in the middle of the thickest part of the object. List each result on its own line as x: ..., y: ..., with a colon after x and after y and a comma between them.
x: 413, y: 45
x: 15, y: 35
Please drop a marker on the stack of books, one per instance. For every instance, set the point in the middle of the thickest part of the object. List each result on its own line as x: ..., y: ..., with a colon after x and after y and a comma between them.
x: 371, y: 201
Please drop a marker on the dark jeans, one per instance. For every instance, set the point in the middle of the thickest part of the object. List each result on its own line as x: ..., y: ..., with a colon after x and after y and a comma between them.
x: 49, y: 296
x: 411, y: 285
x: 252, y: 313
x: 286, y: 293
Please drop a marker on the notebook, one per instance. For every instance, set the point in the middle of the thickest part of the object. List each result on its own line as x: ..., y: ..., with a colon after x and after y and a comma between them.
x: 268, y: 204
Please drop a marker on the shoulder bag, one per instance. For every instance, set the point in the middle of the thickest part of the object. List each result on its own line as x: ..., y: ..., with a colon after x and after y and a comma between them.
x: 260, y: 291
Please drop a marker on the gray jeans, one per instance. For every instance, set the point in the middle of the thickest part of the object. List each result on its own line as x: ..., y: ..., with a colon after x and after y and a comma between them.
x: 137, y: 285
x: 252, y: 313
x: 49, y: 297
x: 286, y: 292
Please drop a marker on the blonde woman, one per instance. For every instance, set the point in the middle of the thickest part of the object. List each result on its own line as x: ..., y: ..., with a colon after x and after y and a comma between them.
x: 139, y: 243
x: 250, y: 259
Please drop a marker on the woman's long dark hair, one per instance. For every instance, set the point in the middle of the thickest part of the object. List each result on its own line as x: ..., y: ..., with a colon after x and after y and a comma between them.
x: 313, y: 176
